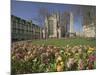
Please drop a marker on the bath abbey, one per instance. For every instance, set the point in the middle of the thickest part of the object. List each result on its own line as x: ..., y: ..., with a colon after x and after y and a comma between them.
x: 56, y: 28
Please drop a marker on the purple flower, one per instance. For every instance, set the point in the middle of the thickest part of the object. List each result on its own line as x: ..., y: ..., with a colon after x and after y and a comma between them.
x: 92, y: 58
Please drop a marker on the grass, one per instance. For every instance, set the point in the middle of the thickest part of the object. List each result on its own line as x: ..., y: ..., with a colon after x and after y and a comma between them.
x: 64, y: 42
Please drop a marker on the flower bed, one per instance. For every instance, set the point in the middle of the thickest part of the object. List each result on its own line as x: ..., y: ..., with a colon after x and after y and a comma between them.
x: 29, y: 58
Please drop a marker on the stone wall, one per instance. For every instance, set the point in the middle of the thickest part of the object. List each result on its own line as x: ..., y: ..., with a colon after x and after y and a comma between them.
x: 89, y: 30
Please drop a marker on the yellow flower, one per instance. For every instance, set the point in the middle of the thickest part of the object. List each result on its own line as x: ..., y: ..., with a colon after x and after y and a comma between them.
x: 69, y: 54
x: 13, y: 57
x: 62, y: 63
x: 91, y: 49
x: 67, y: 46
x: 59, y: 58
x: 26, y: 58
x: 76, y: 54
x: 59, y: 68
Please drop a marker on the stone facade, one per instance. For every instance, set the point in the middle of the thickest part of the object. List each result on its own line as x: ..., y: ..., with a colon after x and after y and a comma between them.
x: 52, y: 30
x: 24, y: 30
x: 89, y: 30
x: 53, y: 27
x: 89, y: 22
x: 57, y: 28
x: 71, y: 30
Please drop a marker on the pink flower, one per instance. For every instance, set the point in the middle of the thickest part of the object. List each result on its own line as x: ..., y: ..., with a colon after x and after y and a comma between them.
x: 92, y: 58
x: 80, y: 65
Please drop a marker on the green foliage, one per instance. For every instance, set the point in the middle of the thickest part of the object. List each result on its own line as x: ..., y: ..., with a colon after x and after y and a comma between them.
x: 64, y: 42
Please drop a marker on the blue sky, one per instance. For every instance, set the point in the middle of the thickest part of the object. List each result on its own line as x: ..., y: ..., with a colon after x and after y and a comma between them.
x: 29, y: 10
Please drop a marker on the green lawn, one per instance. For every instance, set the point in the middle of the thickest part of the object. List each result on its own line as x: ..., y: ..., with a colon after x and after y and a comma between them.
x: 64, y: 42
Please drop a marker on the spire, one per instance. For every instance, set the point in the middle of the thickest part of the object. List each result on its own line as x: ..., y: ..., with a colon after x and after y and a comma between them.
x: 71, y: 22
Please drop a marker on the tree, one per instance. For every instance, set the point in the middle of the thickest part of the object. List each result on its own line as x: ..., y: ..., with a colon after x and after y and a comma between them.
x: 43, y: 14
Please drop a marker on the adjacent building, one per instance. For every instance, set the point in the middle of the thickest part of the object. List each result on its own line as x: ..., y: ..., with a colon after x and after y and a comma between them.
x: 24, y: 30
x: 89, y: 21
